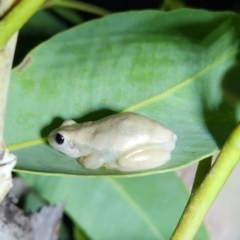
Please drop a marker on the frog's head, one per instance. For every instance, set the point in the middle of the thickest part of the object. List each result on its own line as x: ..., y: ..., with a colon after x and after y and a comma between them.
x: 61, y: 139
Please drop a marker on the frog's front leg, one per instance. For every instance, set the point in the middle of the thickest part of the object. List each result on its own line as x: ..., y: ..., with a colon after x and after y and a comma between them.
x: 91, y: 161
x: 141, y: 158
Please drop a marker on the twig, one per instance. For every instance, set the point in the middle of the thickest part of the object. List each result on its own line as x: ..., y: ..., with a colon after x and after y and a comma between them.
x: 7, y: 160
x: 82, y: 6
x: 9, y: 27
x: 16, y: 18
x: 202, y: 199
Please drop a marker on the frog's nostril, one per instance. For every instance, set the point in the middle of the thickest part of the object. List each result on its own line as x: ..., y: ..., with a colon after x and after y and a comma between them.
x: 59, y: 138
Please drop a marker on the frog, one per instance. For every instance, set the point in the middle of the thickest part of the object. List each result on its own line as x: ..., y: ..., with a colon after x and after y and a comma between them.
x: 125, y: 142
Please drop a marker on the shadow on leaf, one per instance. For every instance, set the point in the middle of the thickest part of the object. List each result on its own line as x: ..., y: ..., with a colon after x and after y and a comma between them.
x: 220, y: 122
x: 92, y: 116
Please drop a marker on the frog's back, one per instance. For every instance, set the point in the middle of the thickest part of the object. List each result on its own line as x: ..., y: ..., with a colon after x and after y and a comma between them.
x: 123, y: 131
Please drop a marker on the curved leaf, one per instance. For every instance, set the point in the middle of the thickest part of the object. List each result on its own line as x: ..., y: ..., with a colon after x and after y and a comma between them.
x: 119, y: 208
x: 167, y: 66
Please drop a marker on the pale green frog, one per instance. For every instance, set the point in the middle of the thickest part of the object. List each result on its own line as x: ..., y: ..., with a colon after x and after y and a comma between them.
x: 125, y: 142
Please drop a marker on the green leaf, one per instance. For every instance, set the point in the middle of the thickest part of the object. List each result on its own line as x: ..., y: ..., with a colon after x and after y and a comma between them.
x: 119, y: 208
x: 167, y: 66
x: 32, y: 202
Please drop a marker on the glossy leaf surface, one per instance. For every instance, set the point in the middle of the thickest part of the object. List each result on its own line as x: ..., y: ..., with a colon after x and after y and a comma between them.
x: 167, y: 66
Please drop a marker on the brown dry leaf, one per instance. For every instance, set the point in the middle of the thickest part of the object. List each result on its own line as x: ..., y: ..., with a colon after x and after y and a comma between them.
x: 46, y: 223
x: 14, y: 225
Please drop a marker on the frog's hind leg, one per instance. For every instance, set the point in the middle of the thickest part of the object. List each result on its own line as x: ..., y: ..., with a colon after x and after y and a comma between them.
x: 143, y: 157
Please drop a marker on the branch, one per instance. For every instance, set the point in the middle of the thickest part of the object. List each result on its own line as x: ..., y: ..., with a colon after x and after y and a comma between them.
x: 202, y: 199
x: 9, y: 27
x: 82, y: 6
x: 16, y: 18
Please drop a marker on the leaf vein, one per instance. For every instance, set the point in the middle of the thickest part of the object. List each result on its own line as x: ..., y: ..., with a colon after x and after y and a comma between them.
x: 179, y: 86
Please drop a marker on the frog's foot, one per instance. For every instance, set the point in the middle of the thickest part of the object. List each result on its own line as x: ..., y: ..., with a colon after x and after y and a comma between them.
x: 91, y: 161
x: 141, y: 158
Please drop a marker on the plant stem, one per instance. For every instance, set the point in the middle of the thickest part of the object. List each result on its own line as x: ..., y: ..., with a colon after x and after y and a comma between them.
x: 6, y: 58
x: 78, y: 5
x: 7, y: 159
x: 202, y: 199
x: 16, y: 19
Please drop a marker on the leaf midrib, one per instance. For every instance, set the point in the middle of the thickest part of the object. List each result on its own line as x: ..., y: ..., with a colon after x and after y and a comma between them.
x: 139, y: 211
x: 180, y: 85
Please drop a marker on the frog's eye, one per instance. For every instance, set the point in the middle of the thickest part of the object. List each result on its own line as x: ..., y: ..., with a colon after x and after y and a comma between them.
x: 59, y: 138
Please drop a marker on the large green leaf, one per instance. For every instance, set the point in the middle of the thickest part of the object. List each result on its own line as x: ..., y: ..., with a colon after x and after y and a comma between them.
x: 167, y: 66
x: 119, y: 208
